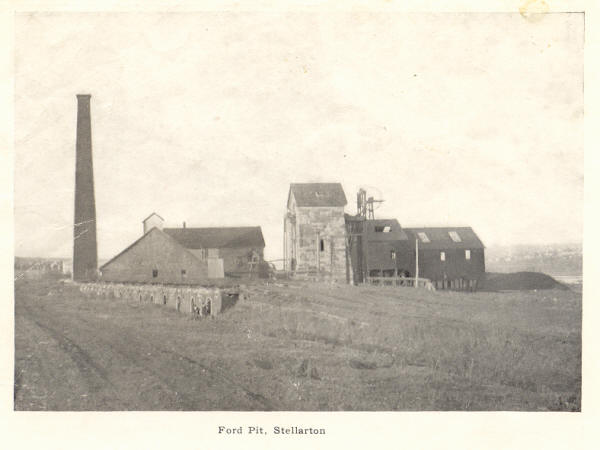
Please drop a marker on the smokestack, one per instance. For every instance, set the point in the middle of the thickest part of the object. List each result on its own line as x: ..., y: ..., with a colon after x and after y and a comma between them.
x: 183, y: 224
x: 85, y: 253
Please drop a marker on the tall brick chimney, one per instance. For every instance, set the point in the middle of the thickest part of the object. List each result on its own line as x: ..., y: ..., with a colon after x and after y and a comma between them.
x: 85, y: 253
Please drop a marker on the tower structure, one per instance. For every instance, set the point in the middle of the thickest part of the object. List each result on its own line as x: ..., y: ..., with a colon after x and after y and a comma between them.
x: 85, y: 253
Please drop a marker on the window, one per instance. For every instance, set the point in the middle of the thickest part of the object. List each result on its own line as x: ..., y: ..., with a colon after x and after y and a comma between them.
x: 183, y: 273
x: 154, y: 273
x: 424, y: 238
x: 454, y: 236
x: 442, y: 256
x: 467, y: 254
x: 322, y: 245
x: 383, y: 229
x: 393, y: 254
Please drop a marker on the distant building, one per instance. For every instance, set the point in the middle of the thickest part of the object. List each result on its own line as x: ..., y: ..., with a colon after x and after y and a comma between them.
x: 314, y: 231
x: 451, y: 257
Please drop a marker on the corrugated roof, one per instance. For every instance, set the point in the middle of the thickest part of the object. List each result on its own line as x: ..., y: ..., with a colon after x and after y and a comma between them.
x: 318, y: 194
x: 440, y: 239
x: 217, y: 237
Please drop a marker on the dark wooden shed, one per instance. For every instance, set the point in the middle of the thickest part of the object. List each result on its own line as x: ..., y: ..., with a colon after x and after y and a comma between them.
x: 378, y: 247
x: 451, y: 257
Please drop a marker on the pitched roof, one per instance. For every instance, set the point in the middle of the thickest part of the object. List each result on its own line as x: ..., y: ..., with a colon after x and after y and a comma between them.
x: 217, y: 237
x: 440, y: 239
x: 145, y: 236
x: 153, y: 214
x: 318, y: 194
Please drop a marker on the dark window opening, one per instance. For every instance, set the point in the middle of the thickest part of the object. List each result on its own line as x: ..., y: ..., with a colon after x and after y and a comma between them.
x: 183, y: 273
x: 154, y: 273
x: 322, y: 245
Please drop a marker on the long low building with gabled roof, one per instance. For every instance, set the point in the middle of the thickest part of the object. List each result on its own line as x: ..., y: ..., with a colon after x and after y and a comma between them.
x: 187, y: 255
x: 451, y: 257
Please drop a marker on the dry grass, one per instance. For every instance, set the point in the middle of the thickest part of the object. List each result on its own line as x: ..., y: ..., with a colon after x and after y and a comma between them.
x: 323, y: 347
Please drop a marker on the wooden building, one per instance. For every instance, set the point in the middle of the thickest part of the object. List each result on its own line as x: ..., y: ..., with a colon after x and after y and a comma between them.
x: 187, y: 255
x: 314, y: 231
x: 451, y: 257
x: 240, y: 248
x: 378, y: 247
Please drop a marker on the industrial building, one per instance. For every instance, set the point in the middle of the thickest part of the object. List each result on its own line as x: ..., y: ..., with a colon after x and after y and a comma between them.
x: 156, y: 258
x: 451, y: 257
x: 187, y: 255
x: 319, y: 239
x: 378, y: 247
x: 315, y: 231
x: 240, y: 248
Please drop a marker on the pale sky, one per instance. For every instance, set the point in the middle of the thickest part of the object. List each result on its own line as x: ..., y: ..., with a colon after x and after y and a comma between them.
x: 454, y: 119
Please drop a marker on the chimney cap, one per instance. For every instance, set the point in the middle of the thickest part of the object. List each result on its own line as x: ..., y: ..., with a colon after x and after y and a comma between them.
x: 84, y: 95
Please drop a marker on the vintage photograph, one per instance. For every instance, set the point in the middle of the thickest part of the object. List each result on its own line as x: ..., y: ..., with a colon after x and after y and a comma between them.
x: 298, y: 211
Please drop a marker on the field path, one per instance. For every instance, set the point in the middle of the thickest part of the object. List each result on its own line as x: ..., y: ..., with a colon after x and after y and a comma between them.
x: 77, y: 360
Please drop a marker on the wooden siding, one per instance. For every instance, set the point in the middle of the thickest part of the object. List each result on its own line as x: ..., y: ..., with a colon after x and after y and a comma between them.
x: 455, y: 267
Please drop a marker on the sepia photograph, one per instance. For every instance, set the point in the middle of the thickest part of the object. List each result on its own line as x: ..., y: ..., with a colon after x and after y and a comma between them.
x: 312, y: 210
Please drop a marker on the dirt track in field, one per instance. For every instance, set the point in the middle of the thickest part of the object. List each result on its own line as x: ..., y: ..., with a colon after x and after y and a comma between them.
x: 72, y: 358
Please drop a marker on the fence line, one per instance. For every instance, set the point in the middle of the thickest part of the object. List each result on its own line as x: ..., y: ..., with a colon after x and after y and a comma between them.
x: 401, y: 281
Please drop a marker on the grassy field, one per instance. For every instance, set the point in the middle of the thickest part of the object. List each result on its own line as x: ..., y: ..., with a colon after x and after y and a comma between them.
x: 298, y: 346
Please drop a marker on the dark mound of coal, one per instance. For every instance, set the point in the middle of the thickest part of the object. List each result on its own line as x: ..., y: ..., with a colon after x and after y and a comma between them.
x: 519, y: 281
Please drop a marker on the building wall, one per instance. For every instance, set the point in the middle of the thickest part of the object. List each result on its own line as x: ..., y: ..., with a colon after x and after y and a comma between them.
x: 320, y: 241
x: 235, y: 260
x: 456, y: 266
x: 289, y: 236
x: 379, y: 256
x: 156, y: 251
x: 151, y: 222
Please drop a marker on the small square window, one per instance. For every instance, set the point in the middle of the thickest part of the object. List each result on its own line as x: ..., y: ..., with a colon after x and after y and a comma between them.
x: 183, y: 273
x: 154, y: 273
x: 442, y: 256
x: 467, y: 254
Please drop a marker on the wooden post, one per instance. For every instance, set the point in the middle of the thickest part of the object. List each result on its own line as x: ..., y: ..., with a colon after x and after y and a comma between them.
x: 417, y: 263
x: 285, y: 243
x: 318, y: 252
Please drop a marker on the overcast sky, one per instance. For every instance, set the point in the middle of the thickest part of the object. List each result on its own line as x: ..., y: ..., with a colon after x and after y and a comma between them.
x: 454, y: 119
